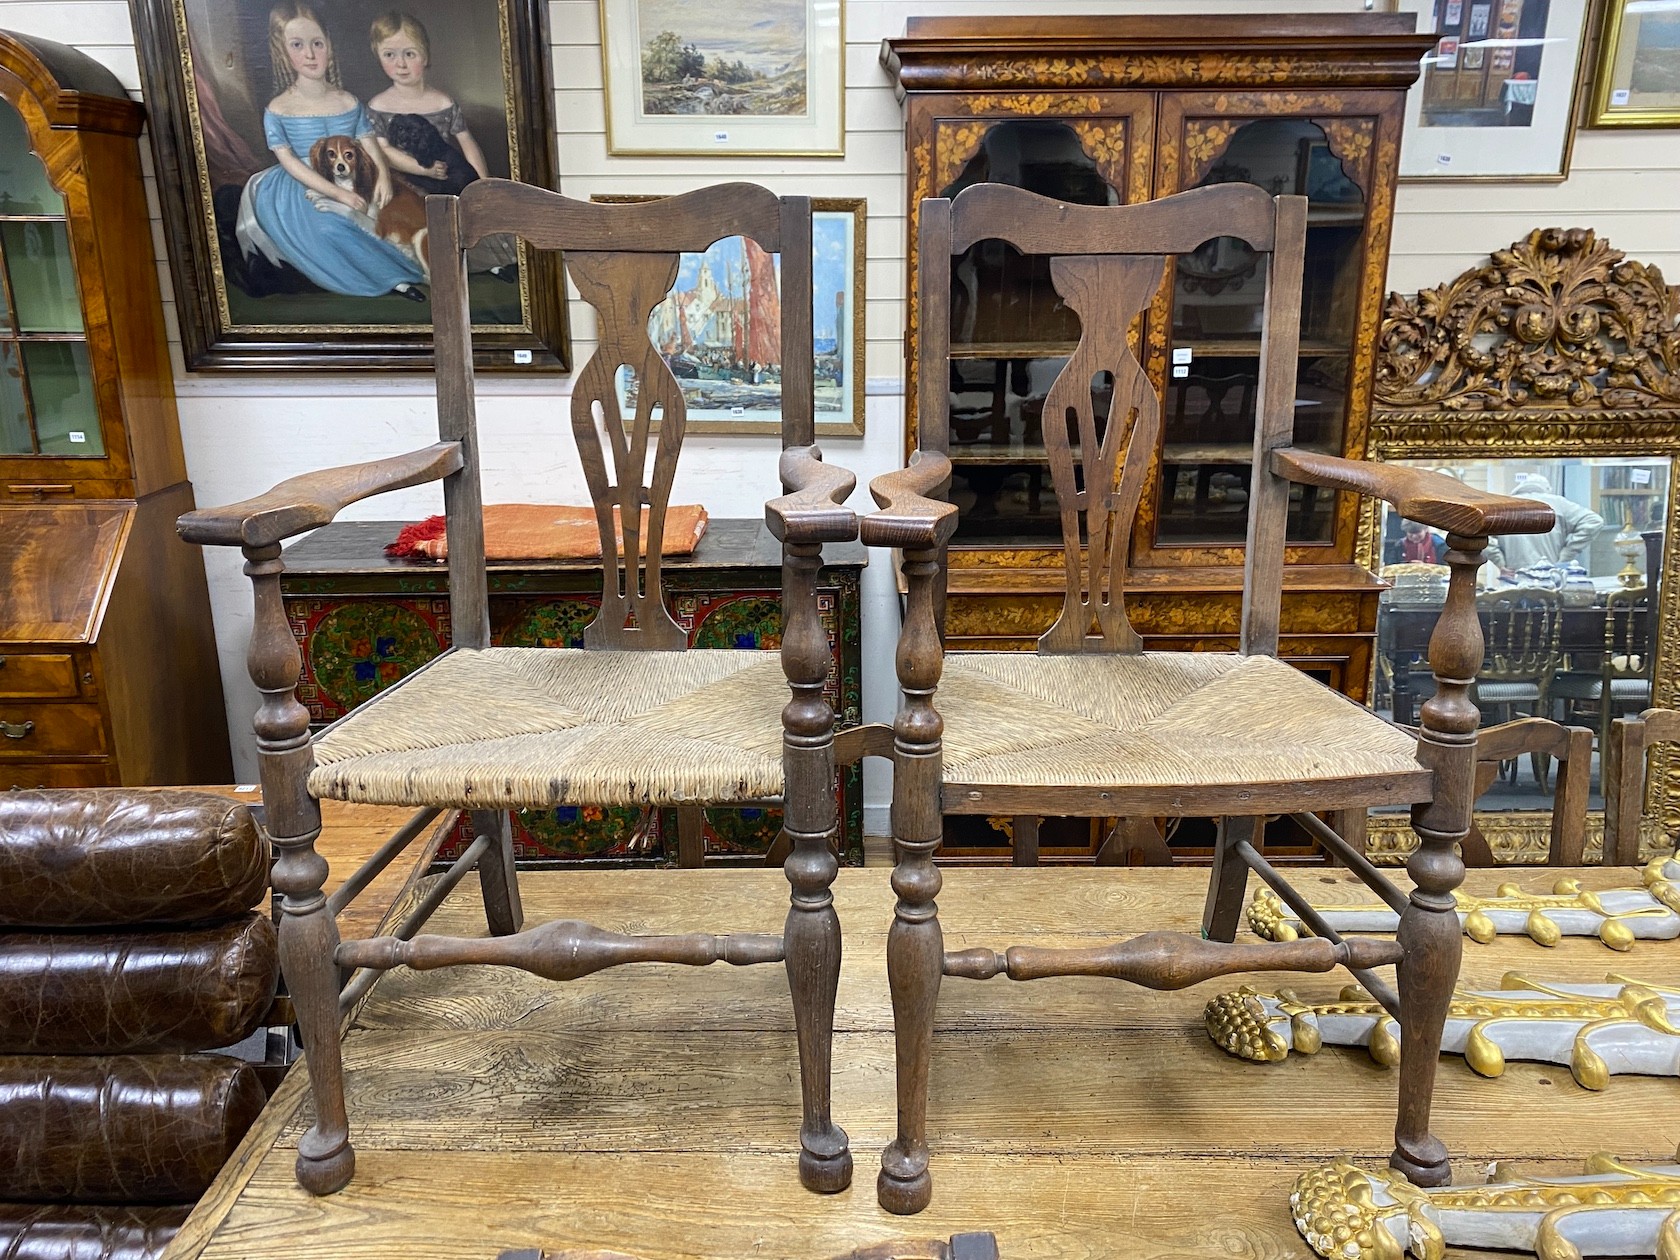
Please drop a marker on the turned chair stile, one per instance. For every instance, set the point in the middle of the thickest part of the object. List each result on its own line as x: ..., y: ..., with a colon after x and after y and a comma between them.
x: 1093, y: 725
x: 632, y: 718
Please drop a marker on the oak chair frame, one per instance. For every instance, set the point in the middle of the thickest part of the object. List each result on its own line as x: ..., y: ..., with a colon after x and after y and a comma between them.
x: 623, y: 259
x: 1108, y: 263
x: 1624, y: 775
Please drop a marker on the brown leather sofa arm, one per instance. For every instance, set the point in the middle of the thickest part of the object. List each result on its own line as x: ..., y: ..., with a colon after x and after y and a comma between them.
x: 814, y: 509
x: 307, y: 502
x: 1430, y: 497
x: 908, y: 518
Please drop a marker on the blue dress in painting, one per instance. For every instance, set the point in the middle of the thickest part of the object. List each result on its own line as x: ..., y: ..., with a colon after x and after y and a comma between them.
x: 332, y: 245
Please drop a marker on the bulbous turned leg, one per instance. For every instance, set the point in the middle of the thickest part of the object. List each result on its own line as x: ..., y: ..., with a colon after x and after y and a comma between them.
x: 498, y: 882
x: 1429, y: 932
x: 308, y: 931
x: 811, y: 936
x: 915, y: 945
x: 915, y: 967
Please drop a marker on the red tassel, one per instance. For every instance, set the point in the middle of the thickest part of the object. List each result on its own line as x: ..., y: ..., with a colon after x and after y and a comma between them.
x: 412, y: 535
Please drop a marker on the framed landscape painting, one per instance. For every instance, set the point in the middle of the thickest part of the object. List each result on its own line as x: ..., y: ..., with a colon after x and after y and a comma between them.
x: 295, y: 143
x: 1638, y: 82
x: 1496, y: 96
x: 720, y: 328
x: 686, y: 78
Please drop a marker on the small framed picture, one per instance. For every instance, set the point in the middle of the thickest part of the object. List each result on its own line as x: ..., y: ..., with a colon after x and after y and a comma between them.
x: 1638, y: 81
x: 1496, y: 97
x: 755, y: 77
x: 720, y: 330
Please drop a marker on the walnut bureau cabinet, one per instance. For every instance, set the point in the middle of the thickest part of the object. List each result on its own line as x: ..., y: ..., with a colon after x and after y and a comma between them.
x: 108, y: 673
x: 364, y: 621
x: 1108, y: 110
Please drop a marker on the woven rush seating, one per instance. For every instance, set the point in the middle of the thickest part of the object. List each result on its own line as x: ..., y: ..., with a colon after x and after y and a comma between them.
x: 1163, y: 719
x: 568, y: 727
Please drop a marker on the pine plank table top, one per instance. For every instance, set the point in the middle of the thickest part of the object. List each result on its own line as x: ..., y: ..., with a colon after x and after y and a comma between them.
x: 634, y: 1112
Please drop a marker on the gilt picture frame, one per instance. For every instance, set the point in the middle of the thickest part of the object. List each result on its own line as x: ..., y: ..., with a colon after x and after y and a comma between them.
x: 1638, y: 78
x: 761, y: 78
x: 294, y: 145
x: 708, y: 349
x: 1496, y: 99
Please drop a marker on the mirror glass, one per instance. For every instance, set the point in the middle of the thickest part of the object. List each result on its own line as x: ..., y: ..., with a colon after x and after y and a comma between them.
x: 1567, y: 616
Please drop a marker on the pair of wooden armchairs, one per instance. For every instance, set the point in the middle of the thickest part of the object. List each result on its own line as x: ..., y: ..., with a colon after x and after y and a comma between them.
x: 1090, y: 724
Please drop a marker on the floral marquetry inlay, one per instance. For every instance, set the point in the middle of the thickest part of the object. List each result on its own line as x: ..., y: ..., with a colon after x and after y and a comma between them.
x: 1560, y: 320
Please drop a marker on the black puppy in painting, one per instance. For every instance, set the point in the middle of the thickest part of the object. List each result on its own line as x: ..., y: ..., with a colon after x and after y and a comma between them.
x: 420, y: 140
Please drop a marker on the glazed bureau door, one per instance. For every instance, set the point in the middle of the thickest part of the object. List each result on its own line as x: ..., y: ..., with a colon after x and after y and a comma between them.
x: 1011, y: 333
x: 1339, y: 149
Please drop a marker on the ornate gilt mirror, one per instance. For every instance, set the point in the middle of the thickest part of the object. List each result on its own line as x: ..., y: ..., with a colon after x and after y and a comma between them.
x: 1552, y: 371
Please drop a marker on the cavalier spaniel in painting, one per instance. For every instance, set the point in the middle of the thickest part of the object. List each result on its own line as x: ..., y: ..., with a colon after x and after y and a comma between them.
x: 401, y: 221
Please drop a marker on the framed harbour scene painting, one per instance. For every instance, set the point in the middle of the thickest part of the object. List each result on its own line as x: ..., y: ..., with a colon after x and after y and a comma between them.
x: 761, y: 77
x: 295, y: 144
x: 719, y: 330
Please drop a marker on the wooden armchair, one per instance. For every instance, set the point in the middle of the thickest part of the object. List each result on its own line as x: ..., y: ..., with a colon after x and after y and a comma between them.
x: 632, y: 718
x: 1093, y: 725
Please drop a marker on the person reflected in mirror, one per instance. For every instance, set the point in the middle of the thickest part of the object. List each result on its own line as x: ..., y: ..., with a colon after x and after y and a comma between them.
x: 1567, y: 541
x: 1420, y: 546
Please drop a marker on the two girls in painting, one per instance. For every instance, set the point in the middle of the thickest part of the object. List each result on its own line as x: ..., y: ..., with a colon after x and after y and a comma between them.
x: 297, y: 214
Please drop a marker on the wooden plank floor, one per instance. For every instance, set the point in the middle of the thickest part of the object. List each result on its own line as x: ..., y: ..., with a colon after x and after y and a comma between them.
x: 654, y: 1110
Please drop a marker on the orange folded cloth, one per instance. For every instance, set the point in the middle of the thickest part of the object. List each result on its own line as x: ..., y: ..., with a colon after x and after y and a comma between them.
x: 542, y: 531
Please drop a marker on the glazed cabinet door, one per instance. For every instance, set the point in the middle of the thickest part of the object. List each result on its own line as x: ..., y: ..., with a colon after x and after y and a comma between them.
x: 1339, y: 150
x: 1010, y: 332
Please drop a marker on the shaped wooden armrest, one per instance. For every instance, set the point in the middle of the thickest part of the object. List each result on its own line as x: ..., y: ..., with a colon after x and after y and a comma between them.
x: 814, y: 509
x: 307, y: 502
x: 908, y: 518
x: 1418, y: 494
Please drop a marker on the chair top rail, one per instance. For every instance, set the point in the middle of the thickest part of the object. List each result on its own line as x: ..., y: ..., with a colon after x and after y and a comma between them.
x: 1172, y: 225
x: 688, y: 223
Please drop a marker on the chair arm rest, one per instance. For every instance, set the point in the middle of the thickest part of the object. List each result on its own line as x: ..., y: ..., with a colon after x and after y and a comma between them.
x: 908, y: 518
x: 1430, y: 497
x: 307, y: 502
x: 814, y: 509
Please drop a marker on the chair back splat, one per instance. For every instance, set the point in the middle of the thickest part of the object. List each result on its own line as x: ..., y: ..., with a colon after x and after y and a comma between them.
x: 623, y: 259
x: 1102, y: 414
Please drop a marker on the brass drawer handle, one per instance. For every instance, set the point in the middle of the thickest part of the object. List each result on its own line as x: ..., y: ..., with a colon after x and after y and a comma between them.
x: 11, y: 730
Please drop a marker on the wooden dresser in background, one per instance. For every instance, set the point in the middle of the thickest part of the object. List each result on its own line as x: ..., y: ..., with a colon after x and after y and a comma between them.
x: 108, y: 672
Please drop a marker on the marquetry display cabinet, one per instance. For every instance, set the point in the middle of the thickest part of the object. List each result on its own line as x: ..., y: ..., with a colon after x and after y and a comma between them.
x: 108, y: 671
x: 1110, y: 110
x: 364, y: 620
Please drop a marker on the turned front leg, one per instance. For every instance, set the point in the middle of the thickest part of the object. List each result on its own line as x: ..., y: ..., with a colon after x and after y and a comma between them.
x: 308, y: 931
x: 915, y: 945
x: 811, y: 821
x: 1429, y: 933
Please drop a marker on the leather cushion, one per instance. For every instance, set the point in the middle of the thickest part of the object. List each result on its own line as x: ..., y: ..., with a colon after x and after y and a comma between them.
x: 135, y: 992
x: 75, y: 1231
x: 121, y: 1129
x: 113, y: 857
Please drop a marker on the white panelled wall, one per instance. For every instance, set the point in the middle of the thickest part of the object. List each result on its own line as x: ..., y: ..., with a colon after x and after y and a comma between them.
x: 244, y: 433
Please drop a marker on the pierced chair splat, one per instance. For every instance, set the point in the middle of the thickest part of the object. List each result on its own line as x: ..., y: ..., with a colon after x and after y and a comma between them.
x: 1092, y: 724
x: 631, y: 718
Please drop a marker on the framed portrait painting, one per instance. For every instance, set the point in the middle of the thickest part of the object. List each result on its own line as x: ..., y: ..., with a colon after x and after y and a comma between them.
x: 1496, y: 96
x: 761, y: 77
x: 295, y: 142
x: 719, y: 330
x: 1638, y: 81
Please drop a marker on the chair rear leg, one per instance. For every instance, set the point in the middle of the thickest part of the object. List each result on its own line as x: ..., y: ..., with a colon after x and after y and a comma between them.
x: 1229, y: 882
x: 498, y: 881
